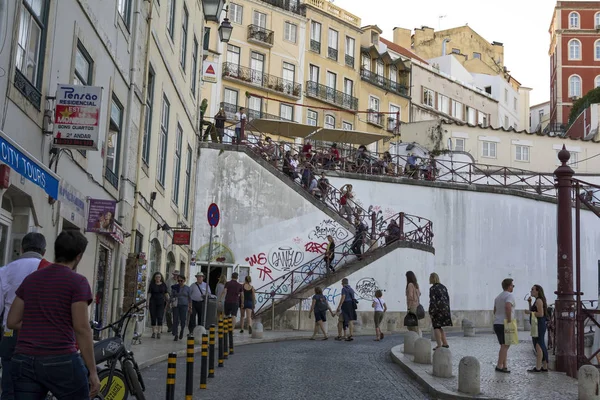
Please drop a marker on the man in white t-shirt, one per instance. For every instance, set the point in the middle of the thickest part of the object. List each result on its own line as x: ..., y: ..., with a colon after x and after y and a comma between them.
x: 240, y: 121
x: 504, y: 309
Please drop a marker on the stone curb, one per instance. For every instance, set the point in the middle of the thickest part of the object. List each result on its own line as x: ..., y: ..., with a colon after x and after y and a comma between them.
x: 428, y: 381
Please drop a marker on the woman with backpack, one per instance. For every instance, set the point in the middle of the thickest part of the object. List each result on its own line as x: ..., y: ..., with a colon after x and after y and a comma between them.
x: 380, y: 308
x: 319, y: 306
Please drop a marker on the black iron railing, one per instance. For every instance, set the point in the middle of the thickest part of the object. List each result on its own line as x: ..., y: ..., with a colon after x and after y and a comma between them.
x: 556, y: 127
x: 288, y: 5
x: 315, y: 45
x: 349, y: 61
x: 111, y: 177
x: 375, y: 117
x: 330, y: 95
x: 27, y: 89
x: 259, y: 78
x: 254, y: 114
x: 383, y: 83
x: 332, y: 53
x: 260, y: 34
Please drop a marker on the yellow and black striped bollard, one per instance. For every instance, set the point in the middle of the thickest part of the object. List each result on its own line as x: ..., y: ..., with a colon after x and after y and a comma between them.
x: 204, y: 362
x: 231, y: 327
x: 221, y: 342
x: 211, y: 351
x: 171, y: 373
x: 189, y: 371
x: 226, y: 338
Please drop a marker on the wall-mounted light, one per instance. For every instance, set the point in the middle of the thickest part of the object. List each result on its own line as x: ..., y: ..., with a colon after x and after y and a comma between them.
x: 225, y: 29
x: 212, y: 9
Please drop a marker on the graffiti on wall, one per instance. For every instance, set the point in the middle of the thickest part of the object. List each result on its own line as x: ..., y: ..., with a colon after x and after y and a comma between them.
x: 257, y: 259
x: 328, y: 227
x: 314, y: 247
x: 285, y: 258
x: 264, y: 273
x: 366, y: 287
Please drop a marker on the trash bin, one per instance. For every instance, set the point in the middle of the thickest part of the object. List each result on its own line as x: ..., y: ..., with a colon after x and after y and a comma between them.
x: 211, y: 312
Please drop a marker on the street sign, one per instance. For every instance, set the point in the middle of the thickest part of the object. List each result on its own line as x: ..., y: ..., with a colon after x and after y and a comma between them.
x: 213, y: 215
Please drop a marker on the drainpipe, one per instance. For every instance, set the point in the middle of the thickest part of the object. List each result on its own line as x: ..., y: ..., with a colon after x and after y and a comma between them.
x: 444, y: 52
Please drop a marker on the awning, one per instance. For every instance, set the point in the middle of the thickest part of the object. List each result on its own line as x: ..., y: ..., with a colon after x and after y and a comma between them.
x: 343, y: 136
x: 288, y: 129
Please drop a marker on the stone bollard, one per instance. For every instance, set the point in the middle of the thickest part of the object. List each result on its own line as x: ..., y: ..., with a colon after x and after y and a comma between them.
x: 422, y: 351
x: 257, y: 330
x: 468, y: 328
x: 391, y: 325
x: 588, y: 378
x: 469, y: 379
x: 410, y: 338
x: 442, y: 363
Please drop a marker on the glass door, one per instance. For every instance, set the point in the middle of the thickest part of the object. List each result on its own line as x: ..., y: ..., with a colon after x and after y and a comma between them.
x: 257, y: 65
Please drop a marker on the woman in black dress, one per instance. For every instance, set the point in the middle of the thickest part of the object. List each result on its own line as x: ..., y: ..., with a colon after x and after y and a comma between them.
x: 439, y: 309
x: 158, y: 290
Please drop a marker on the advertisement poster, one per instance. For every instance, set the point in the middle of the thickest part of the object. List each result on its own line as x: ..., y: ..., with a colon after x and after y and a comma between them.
x: 77, y: 116
x: 101, y: 216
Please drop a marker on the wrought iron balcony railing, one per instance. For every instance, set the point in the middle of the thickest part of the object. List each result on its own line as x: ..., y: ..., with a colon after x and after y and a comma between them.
x: 315, y: 46
x: 288, y: 5
x: 556, y: 127
x: 349, y: 61
x: 111, y: 177
x: 383, y: 83
x: 260, y: 35
x: 330, y: 95
x: 332, y: 53
x: 254, y: 114
x: 259, y: 78
x: 375, y: 117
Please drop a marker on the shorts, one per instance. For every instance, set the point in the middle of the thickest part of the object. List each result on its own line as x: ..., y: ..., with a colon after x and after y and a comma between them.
x: 320, y: 316
x: 499, y: 331
x: 349, y: 312
x: 249, y: 305
x: 231, y: 309
x: 378, y: 318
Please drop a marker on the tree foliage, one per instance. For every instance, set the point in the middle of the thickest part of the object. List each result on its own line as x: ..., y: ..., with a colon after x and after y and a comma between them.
x: 591, y: 97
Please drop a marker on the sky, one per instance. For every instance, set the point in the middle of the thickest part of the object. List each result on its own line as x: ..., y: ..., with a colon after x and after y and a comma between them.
x: 522, y: 25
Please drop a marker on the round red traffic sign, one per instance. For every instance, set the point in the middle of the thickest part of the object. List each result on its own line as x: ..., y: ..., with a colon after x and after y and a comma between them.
x: 213, y: 215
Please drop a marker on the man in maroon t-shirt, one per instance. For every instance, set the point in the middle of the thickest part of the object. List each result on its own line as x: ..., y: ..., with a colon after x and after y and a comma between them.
x: 51, y: 313
x: 232, y: 297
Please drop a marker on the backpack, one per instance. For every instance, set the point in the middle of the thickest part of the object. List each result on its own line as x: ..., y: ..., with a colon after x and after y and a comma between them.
x: 343, y: 200
x: 321, y: 304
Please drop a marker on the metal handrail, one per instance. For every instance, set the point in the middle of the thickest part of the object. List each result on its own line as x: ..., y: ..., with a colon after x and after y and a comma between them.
x: 331, y: 95
x: 383, y: 82
x: 261, y: 79
x: 261, y: 34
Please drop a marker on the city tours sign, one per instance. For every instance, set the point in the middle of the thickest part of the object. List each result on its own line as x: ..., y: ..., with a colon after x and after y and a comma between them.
x: 77, y: 116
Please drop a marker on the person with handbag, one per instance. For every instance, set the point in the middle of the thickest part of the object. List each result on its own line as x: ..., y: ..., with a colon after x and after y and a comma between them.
x: 439, y: 310
x: 158, y: 294
x: 413, y: 294
x: 348, y: 305
x: 380, y: 308
x: 538, y: 316
x: 504, y: 319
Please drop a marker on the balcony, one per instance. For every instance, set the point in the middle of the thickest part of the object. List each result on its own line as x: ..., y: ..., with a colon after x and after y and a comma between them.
x: 254, y: 114
x: 330, y: 95
x: 315, y: 46
x: 232, y: 109
x: 349, y: 61
x: 332, y: 53
x: 383, y: 83
x: 293, y: 6
x: 555, y: 128
x: 261, y: 36
x: 375, y: 118
x: 258, y: 78
x: 111, y: 177
x: 27, y: 89
x: 335, y: 11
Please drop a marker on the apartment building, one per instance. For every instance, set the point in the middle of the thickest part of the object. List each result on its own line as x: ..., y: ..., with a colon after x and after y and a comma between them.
x: 539, y: 117
x: 127, y: 184
x: 574, y: 57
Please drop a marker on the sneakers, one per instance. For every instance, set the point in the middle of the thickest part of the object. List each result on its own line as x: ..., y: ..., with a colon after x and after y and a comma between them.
x: 181, y: 335
x: 153, y: 335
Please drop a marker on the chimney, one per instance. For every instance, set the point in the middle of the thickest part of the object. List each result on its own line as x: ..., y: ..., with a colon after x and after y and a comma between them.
x: 402, y: 37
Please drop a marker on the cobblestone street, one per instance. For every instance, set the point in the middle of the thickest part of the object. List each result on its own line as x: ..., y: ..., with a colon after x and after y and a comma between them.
x: 300, y: 369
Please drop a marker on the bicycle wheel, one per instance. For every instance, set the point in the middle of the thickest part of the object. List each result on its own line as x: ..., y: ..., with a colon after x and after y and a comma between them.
x: 118, y: 387
x: 136, y: 387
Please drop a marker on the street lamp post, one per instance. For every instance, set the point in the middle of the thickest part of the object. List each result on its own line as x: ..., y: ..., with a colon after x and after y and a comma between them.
x: 212, y: 9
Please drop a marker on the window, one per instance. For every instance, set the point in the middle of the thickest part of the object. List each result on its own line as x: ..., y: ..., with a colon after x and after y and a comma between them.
x: 477, y: 56
x: 162, y: 140
x: 541, y: 115
x: 522, y: 153
x: 313, y: 71
x: 457, y: 110
x: 365, y: 62
x: 471, y: 116
x: 506, y: 96
x: 574, y: 49
x: 231, y: 97
x: 597, y: 50
x: 393, y: 73
x: 259, y: 19
x: 574, y: 86
x: 32, y: 33
x: 83, y: 66
x: 428, y: 97
x: 350, y: 48
x: 177, y: 165
x: 506, y: 122
x: 315, y: 36
x: 348, y: 86
x: 184, y: 31
x: 574, y: 20
x: 515, y: 103
x: 148, y: 120
x: 171, y: 19
x: 443, y: 104
x: 597, y: 81
x: 194, y: 65
x: 138, y: 242
x: 286, y: 112
x: 289, y: 76
x: 331, y: 80
x: 289, y: 32
x: 489, y: 149
x: 237, y: 13
x: 332, y: 51
x: 311, y: 118
x: 206, y: 38
x: 329, y: 122
x: 257, y: 67
x: 574, y: 160
x: 482, y: 119
x: 347, y: 126
x: 374, y: 117
x: 233, y: 55
x: 459, y: 144
x: 188, y: 183
x: 124, y: 7
x: 394, y: 117
x: 374, y: 38
x: 597, y: 20
x: 113, y: 148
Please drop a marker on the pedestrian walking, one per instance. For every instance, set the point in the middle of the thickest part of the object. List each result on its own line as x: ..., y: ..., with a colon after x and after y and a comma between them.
x: 504, y: 314
x: 220, y: 299
x: 172, y: 281
x: 319, y: 306
x: 248, y: 302
x: 181, y: 303
x: 413, y: 296
x: 380, y: 308
x: 538, y: 312
x: 50, y: 311
x: 359, y: 238
x: 348, y: 305
x: 33, y: 248
x: 220, y: 119
x: 198, y: 292
x: 232, y: 295
x: 329, y: 253
x: 346, y: 202
x: 439, y: 310
x: 159, y: 294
